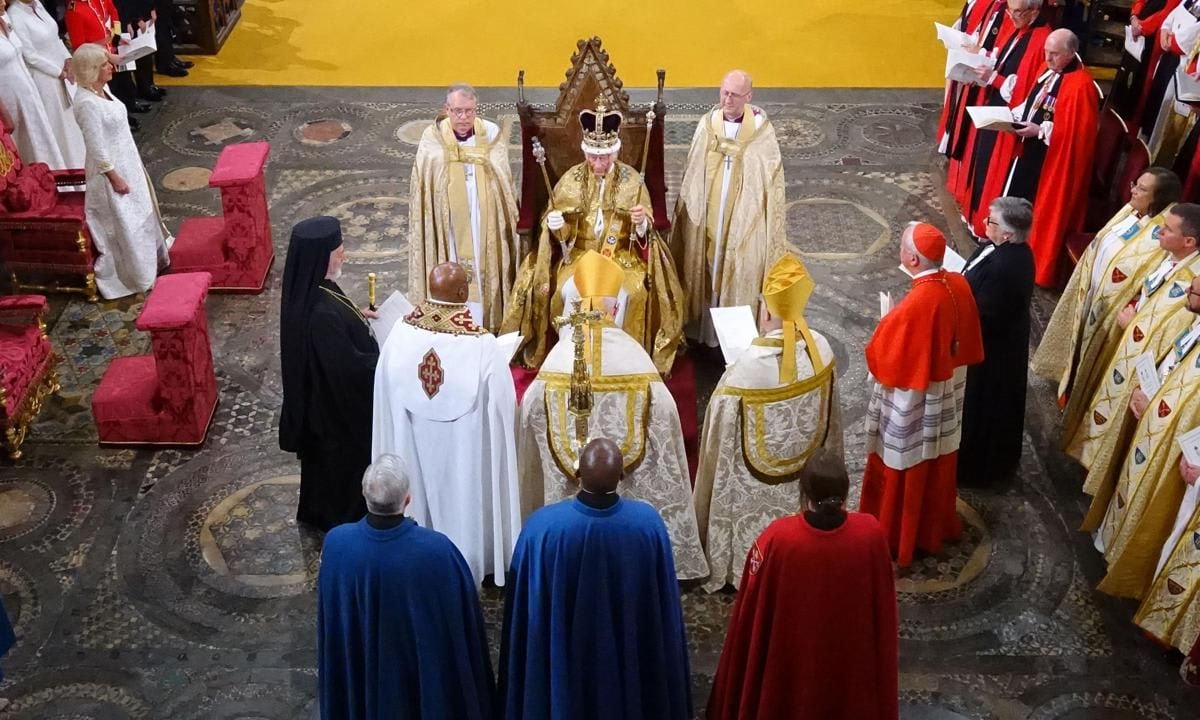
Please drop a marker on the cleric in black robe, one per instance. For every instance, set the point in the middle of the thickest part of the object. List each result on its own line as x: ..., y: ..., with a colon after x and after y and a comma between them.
x: 400, y: 632
x: 1000, y: 273
x: 328, y: 358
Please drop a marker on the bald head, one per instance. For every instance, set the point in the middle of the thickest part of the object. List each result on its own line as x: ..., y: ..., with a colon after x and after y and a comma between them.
x: 449, y: 283
x: 1061, y: 46
x: 600, y: 466
x: 736, y: 90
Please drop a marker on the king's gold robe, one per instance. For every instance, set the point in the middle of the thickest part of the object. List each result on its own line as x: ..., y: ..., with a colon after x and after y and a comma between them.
x: 596, y: 212
x: 758, y: 434
x: 462, y: 208
x: 730, y: 219
x: 1106, y: 428
x: 1139, y: 512
x: 1083, y: 333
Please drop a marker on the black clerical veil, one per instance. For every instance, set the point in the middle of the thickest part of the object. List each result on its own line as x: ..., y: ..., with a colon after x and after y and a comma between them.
x: 307, y: 262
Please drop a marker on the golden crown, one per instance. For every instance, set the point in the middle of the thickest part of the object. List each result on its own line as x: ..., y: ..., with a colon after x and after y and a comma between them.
x: 601, y: 128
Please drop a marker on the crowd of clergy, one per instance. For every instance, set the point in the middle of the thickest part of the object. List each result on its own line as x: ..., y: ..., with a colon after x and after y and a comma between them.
x: 1121, y: 344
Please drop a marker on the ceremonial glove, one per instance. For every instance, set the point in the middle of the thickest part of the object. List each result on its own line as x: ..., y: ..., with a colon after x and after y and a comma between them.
x: 554, y: 220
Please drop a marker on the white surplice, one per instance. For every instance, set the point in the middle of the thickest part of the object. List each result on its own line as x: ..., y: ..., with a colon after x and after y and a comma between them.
x: 19, y: 95
x: 44, y: 55
x: 127, y: 229
x: 459, y: 442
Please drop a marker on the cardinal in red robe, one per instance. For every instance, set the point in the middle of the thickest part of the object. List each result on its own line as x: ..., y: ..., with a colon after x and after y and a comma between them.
x: 814, y: 629
x: 919, y: 356
x: 1057, y: 133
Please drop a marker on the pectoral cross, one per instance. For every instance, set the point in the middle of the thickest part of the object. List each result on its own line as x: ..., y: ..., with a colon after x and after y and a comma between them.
x: 580, y: 403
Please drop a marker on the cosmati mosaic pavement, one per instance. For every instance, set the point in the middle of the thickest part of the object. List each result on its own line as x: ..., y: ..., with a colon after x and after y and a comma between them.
x: 175, y: 584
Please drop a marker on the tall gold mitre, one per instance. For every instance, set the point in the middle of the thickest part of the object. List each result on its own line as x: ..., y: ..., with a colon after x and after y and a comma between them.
x: 601, y: 129
x: 596, y: 278
x: 786, y: 291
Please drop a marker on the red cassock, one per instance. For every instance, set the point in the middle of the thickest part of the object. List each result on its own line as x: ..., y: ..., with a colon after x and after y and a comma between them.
x: 90, y: 21
x: 814, y: 628
x: 918, y: 346
x: 972, y: 16
x: 1061, y: 201
x: 1023, y: 55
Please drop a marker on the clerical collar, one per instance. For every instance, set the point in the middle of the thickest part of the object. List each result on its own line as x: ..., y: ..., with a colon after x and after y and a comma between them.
x: 465, y: 137
x: 384, y: 522
x: 923, y: 273
x: 737, y: 119
x: 597, y: 501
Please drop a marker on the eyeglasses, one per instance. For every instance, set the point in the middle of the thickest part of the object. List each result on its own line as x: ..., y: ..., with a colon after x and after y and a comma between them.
x: 1133, y: 186
x: 731, y: 94
x: 461, y: 112
x: 990, y: 221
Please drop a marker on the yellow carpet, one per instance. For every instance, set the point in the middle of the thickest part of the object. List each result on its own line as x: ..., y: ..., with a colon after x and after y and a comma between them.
x: 793, y: 43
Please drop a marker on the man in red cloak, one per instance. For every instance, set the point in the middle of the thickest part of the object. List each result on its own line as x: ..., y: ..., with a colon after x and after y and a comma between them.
x: 919, y: 356
x: 814, y: 630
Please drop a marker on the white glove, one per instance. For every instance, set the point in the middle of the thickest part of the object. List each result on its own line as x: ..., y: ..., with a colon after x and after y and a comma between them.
x: 554, y: 220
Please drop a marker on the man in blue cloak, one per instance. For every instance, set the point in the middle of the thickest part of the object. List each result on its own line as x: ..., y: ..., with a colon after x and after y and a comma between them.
x: 592, y: 594
x: 400, y: 633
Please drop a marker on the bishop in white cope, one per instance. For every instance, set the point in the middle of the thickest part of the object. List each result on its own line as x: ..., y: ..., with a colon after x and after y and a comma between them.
x: 630, y: 405
x: 445, y: 402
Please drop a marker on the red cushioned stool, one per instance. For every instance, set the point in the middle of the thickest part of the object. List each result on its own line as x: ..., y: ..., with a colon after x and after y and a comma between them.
x: 234, y: 248
x: 169, y: 397
x: 27, y: 375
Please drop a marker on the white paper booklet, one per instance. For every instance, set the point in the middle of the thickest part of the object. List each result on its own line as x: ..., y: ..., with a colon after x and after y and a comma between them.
x: 1189, y: 442
x: 1147, y: 372
x: 990, y: 117
x: 885, y: 303
x: 736, y: 330
x: 951, y: 38
x: 961, y: 65
x: 1134, y: 47
x: 138, y: 47
x: 952, y: 261
x: 390, y: 312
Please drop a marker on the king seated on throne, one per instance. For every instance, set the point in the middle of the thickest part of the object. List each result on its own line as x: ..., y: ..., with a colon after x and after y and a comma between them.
x: 600, y: 205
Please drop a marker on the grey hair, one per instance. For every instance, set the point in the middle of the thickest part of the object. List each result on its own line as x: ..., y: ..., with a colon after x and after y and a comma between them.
x: 1013, y: 215
x: 463, y: 88
x: 385, y: 485
x: 87, y: 61
x: 1030, y: 4
x: 906, y: 239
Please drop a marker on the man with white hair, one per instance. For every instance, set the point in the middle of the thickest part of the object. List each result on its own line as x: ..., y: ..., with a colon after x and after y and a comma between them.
x: 730, y: 220
x: 461, y: 207
x: 399, y: 629
x: 599, y: 205
x: 629, y: 403
x: 918, y: 357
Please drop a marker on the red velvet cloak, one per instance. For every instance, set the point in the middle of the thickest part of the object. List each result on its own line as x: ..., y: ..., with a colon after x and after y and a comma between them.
x: 814, y: 630
x: 1061, y: 199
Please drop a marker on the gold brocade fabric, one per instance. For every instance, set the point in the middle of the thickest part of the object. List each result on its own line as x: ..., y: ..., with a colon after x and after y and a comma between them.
x: 654, y: 308
x: 430, y: 219
x: 443, y: 318
x: 757, y: 436
x: 755, y: 222
x: 1106, y: 426
x: 1142, y: 506
x: 1081, y: 335
x: 1171, y: 609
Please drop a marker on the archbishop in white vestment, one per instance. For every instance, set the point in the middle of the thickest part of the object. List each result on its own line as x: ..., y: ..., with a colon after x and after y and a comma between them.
x: 445, y: 402
x: 765, y: 419
x: 630, y: 405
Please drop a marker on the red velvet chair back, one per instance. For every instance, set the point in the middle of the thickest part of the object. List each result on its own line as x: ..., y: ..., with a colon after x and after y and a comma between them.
x: 1110, y: 143
x: 1137, y: 159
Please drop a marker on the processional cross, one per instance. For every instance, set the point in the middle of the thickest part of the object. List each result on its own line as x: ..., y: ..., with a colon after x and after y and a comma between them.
x: 580, y: 402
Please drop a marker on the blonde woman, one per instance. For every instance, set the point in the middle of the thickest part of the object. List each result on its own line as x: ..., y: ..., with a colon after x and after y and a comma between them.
x: 48, y: 61
x: 19, y: 96
x: 121, y: 209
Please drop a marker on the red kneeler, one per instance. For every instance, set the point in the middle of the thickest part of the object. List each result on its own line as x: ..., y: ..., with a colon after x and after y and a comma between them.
x: 169, y: 397
x: 234, y: 248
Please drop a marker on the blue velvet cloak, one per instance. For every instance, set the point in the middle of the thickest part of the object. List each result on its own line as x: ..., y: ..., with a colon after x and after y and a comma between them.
x: 593, y: 627
x: 400, y: 633
x: 7, y: 638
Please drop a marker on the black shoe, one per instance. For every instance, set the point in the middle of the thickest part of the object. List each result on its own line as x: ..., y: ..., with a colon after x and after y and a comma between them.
x: 134, y: 125
x: 184, y: 64
x: 139, y: 107
x: 154, y: 93
x: 173, y: 71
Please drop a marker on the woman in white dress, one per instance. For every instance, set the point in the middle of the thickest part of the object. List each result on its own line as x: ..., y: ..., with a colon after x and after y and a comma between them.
x: 121, y: 209
x: 31, y: 128
x: 46, y: 57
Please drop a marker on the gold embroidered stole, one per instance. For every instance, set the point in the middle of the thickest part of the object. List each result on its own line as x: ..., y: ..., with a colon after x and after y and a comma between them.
x: 616, y: 224
x: 621, y: 406
x: 720, y: 148
x: 457, y: 157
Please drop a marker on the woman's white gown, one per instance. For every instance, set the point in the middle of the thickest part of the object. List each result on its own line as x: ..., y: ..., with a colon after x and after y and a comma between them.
x: 127, y: 229
x: 31, y: 127
x: 44, y: 55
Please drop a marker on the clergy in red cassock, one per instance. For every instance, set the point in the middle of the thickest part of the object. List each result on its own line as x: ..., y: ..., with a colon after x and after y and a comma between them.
x: 1057, y: 131
x: 1132, y: 83
x: 919, y: 356
x: 814, y: 630
x: 986, y: 21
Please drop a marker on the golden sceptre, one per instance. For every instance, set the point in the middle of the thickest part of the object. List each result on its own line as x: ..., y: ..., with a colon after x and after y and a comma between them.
x: 646, y: 143
x: 371, y: 290
x: 539, y: 154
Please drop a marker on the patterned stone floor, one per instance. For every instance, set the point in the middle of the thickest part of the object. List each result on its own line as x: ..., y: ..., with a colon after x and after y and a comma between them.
x: 175, y: 584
